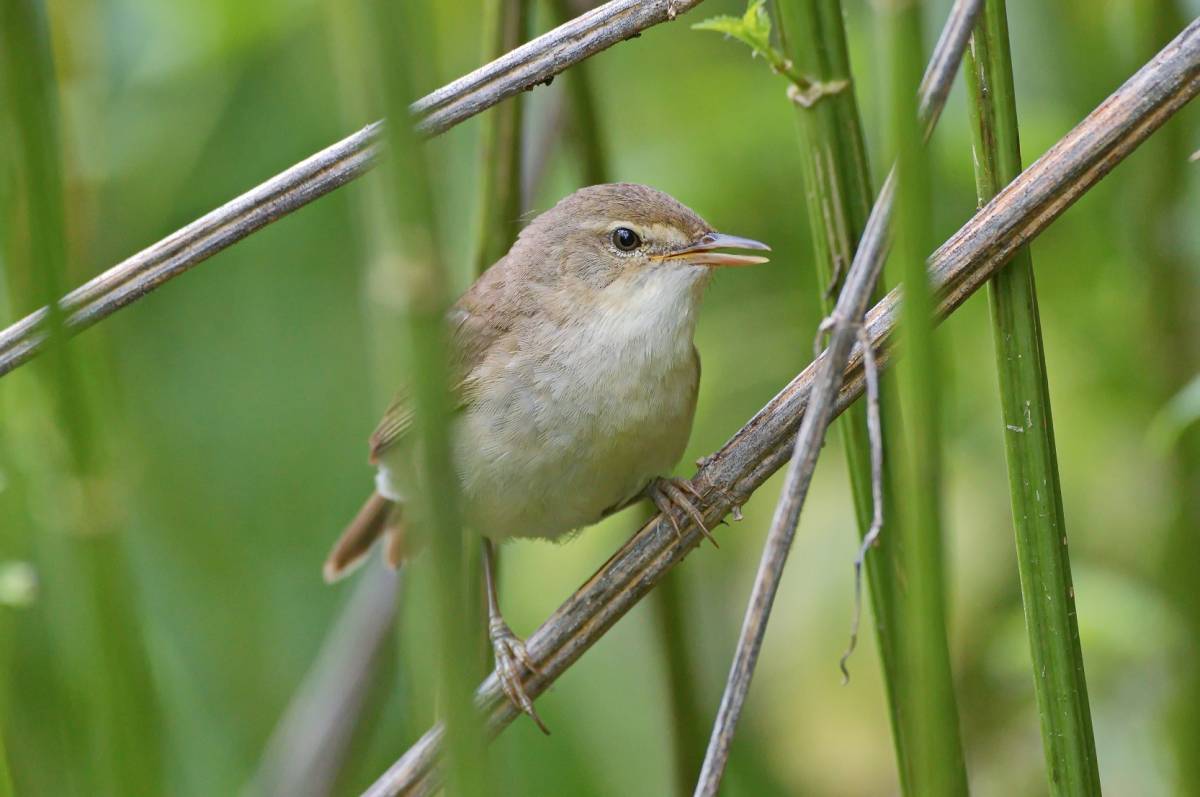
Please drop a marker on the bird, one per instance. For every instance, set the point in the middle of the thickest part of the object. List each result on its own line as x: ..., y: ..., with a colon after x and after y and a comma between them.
x: 575, y: 380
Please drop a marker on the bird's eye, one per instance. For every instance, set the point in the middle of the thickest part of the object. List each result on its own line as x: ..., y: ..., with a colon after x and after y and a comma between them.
x: 625, y: 239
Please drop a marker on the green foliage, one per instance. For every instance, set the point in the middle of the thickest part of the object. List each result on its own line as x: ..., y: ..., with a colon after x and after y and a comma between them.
x: 752, y: 29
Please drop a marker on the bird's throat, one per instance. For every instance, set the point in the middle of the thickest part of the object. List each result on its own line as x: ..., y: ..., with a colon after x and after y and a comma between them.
x: 652, y: 316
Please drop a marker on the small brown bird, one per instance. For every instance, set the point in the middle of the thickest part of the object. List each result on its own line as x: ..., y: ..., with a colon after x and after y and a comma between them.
x: 576, y: 379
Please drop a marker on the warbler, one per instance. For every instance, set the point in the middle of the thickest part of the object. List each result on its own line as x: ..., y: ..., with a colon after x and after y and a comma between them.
x: 575, y: 378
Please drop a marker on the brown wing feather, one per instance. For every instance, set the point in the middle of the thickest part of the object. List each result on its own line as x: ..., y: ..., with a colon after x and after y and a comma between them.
x: 397, y: 418
x: 481, y: 317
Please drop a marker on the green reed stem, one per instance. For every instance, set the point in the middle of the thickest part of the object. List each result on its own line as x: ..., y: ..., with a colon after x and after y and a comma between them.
x: 933, y: 756
x: 837, y: 185
x: 1042, y: 559
x: 586, y: 127
x: 505, y: 23
x: 97, y: 663
x: 403, y: 32
x: 673, y: 625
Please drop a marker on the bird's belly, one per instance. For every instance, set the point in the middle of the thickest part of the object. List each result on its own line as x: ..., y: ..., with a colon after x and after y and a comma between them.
x: 550, y: 451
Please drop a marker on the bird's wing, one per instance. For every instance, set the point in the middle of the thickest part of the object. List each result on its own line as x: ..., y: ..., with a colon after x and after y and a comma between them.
x: 396, y: 421
x: 474, y: 324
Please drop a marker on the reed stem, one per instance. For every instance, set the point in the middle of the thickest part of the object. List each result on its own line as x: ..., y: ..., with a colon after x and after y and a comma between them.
x: 838, y: 190
x: 1045, y: 569
x: 411, y: 251
x: 933, y: 758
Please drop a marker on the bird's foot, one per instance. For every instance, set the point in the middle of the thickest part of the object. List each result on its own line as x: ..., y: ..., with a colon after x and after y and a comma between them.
x: 735, y: 503
x: 511, y: 658
x: 671, y: 494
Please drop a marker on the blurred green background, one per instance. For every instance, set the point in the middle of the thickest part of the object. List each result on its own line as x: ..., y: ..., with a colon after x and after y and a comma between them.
x: 179, y: 603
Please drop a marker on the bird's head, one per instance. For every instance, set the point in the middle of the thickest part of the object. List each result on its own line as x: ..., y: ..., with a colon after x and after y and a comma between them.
x: 625, y: 237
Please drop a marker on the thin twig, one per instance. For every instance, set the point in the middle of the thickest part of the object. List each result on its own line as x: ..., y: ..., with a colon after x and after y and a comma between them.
x: 875, y: 435
x: 845, y: 322
x: 537, y: 61
x: 837, y: 178
x: 957, y: 269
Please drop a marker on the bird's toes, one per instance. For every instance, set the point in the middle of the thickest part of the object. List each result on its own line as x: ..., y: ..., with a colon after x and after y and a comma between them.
x: 511, y: 658
x: 671, y: 494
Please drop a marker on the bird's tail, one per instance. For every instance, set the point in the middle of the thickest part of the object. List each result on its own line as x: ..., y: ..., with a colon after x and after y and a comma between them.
x: 378, y: 517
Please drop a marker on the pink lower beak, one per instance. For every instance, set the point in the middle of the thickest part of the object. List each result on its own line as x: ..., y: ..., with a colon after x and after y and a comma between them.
x: 702, y: 253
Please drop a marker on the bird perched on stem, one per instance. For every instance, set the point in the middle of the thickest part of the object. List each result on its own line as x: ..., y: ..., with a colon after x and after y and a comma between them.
x: 576, y: 378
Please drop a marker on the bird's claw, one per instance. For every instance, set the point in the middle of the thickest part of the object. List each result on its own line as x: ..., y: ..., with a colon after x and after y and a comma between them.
x: 511, y: 656
x: 668, y: 494
x: 735, y: 508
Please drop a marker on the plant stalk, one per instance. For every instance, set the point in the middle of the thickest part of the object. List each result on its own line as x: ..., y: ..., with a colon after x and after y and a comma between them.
x: 410, y: 250
x: 505, y: 23
x: 933, y: 760
x: 838, y: 190
x: 100, y: 670
x: 586, y: 125
x: 1045, y: 568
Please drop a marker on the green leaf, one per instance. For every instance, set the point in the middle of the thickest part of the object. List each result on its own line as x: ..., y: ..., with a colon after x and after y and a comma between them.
x: 753, y: 28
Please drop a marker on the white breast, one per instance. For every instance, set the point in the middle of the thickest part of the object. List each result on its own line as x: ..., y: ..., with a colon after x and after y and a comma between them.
x: 583, y: 416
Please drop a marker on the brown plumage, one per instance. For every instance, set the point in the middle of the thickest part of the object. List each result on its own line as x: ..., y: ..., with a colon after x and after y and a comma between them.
x: 378, y: 517
x: 575, y: 380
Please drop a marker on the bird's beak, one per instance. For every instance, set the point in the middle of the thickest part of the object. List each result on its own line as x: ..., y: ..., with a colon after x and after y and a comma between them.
x: 703, y: 252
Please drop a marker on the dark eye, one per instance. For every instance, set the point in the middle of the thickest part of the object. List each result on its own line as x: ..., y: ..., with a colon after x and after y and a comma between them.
x: 625, y: 239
